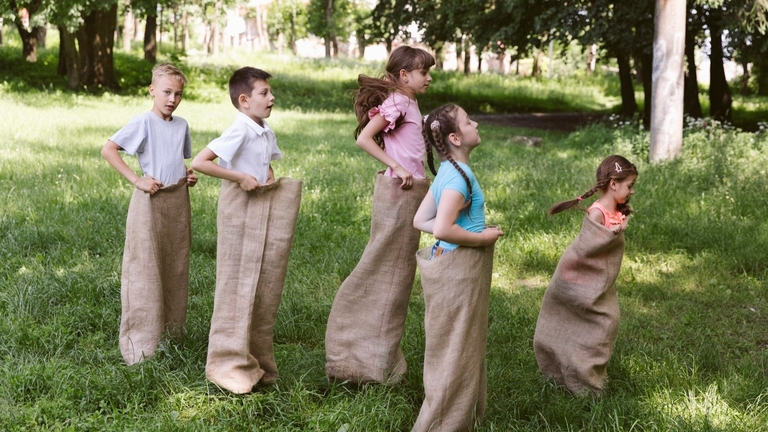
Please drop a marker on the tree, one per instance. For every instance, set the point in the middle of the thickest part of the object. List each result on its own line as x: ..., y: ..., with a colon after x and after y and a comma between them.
x: 667, y: 99
x: 329, y: 19
x: 289, y: 18
x: 29, y: 24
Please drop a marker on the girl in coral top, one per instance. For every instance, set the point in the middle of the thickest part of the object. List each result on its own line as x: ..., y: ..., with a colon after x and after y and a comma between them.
x: 579, y: 318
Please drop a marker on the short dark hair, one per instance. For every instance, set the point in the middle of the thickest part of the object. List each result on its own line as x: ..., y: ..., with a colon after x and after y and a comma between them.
x: 242, y: 81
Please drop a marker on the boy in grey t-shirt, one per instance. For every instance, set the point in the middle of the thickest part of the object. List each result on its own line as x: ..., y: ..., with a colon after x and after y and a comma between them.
x: 155, y: 270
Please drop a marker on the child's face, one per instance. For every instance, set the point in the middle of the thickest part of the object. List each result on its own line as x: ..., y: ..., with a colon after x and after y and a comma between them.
x: 166, y: 92
x: 258, y: 104
x: 623, y: 190
x: 417, y: 80
x: 468, y: 133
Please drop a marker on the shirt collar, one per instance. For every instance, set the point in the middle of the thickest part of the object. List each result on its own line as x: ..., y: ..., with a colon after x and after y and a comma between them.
x: 243, y: 118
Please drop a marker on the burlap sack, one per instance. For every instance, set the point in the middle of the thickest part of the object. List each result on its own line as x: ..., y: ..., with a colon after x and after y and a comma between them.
x: 579, y: 317
x: 456, y: 291
x: 155, y: 274
x: 255, y: 232
x: 367, y: 319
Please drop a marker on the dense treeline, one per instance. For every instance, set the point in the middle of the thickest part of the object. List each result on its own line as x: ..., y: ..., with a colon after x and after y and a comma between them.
x: 621, y: 32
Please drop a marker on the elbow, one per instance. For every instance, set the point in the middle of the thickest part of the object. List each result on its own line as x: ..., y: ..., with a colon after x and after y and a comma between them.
x: 439, y: 232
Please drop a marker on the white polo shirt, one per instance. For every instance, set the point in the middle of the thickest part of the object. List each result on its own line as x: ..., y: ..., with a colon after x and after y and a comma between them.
x: 247, y: 147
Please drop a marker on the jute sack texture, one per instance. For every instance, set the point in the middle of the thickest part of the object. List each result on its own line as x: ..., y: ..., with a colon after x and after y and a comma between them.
x: 579, y: 318
x: 456, y: 292
x: 255, y: 232
x: 155, y: 273
x: 367, y: 319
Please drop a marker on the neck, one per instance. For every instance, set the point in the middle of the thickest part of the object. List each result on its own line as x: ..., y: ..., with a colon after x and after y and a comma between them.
x: 461, y: 155
x: 608, y: 202
x: 407, y: 93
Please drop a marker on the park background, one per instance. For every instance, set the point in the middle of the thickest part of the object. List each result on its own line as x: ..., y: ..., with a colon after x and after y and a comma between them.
x: 692, y: 351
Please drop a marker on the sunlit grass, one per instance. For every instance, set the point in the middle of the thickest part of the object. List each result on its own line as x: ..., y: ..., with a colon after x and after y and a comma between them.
x: 692, y: 348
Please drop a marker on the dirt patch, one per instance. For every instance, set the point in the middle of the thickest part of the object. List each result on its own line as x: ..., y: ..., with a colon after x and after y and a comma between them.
x: 565, y: 122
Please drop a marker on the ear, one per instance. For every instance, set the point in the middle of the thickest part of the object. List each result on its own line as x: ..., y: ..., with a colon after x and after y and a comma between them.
x: 614, y: 184
x: 454, y: 139
x: 403, y: 74
x: 151, y: 89
x: 243, y: 100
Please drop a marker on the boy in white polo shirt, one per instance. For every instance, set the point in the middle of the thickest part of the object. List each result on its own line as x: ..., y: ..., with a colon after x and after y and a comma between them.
x: 256, y: 221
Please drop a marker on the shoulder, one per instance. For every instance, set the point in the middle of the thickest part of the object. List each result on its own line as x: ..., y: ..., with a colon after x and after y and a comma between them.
x: 595, y: 213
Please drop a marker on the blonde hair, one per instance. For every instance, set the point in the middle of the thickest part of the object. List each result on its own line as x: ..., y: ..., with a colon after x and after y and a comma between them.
x: 169, y: 70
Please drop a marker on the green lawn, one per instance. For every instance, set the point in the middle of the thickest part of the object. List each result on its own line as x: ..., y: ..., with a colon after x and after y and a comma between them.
x: 692, y: 351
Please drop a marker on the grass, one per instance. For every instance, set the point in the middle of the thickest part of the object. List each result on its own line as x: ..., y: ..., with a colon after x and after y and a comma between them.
x: 692, y: 351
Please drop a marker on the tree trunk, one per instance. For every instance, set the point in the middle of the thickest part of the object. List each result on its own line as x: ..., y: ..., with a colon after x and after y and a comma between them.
x: 745, y: 91
x: 127, y: 26
x: 467, y: 56
x: 719, y: 93
x: 536, y: 69
x: 150, y: 34
x: 293, y: 29
x: 184, y: 30
x: 646, y: 77
x: 691, y: 104
x: 176, y: 26
x: 667, y: 93
x: 69, y: 62
x: 592, y: 60
x: 628, y: 102
x: 42, y: 33
x: 100, y: 26
x: 329, y: 28
x: 28, y: 41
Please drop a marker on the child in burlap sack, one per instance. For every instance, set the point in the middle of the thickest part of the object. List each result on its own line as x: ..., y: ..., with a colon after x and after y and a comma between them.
x: 155, y: 270
x: 367, y: 319
x: 256, y: 222
x: 456, y: 277
x: 579, y: 318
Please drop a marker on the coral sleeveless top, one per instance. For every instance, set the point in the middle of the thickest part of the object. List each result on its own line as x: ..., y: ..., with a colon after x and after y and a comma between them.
x: 609, y: 219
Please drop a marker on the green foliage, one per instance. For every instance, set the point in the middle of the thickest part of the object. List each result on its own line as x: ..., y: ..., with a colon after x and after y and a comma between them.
x: 691, y: 353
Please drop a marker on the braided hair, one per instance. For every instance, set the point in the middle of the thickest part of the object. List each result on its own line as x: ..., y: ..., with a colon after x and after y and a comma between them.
x: 613, y: 167
x: 373, y: 91
x: 438, y: 125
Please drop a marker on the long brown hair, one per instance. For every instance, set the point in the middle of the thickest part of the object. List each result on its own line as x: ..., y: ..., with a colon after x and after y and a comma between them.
x: 373, y: 91
x: 613, y: 167
x: 438, y: 125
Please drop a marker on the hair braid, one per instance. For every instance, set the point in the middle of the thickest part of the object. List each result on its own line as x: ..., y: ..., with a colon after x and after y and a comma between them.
x: 613, y: 167
x: 445, y: 116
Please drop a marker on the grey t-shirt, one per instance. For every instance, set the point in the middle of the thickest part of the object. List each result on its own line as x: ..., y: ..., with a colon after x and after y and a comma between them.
x: 160, y: 146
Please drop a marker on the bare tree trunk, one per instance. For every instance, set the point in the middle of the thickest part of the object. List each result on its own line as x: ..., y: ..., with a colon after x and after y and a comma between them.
x: 467, y: 55
x: 69, y: 62
x: 150, y: 33
x: 184, y: 30
x: 42, y: 33
x: 691, y: 104
x: 128, y: 26
x: 329, y: 33
x: 592, y: 59
x: 293, y: 28
x: 745, y: 90
x: 719, y: 93
x: 100, y: 26
x: 628, y: 102
x: 28, y: 41
x: 536, y: 70
x: 667, y: 93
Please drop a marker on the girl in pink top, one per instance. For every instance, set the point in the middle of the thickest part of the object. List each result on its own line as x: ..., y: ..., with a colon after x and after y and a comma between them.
x: 367, y: 319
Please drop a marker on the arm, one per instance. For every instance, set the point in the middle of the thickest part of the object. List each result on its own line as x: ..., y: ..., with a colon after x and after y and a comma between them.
x: 203, y: 162
x: 365, y: 141
x: 111, y: 152
x: 191, y: 177
x: 425, y: 215
x: 445, y: 227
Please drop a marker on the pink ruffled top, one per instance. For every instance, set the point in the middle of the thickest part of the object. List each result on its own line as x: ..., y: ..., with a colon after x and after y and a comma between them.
x: 609, y: 219
x: 405, y: 143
